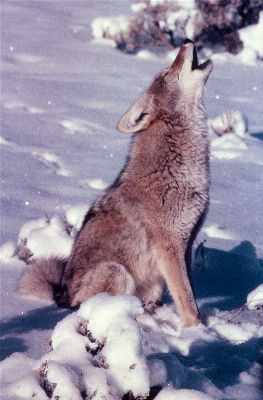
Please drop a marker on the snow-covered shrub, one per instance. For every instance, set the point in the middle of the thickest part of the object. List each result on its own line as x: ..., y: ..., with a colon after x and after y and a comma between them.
x: 210, y: 23
x: 97, y: 353
x: 113, y: 29
x: 154, y: 24
x: 228, y: 133
x: 230, y: 121
x: 255, y: 298
x: 47, y: 237
x: 220, y: 21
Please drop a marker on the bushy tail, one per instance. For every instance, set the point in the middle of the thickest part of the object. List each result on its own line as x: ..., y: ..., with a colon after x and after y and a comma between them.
x: 42, y: 278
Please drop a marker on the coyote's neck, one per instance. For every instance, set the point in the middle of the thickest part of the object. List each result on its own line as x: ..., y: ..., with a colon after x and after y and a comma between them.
x: 169, y: 165
x: 167, y: 142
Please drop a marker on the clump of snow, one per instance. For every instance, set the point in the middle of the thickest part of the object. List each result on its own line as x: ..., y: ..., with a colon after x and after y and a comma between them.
x: 97, y: 184
x: 181, y: 20
x: 30, y: 226
x: 61, y: 381
x: 9, y: 256
x: 248, y: 384
x: 7, y: 251
x: 109, y: 28
x: 183, y: 394
x: 216, y: 232
x: 109, y: 306
x: 252, y: 37
x: 180, y: 3
x: 247, y: 56
x: 255, y: 298
x: 146, y: 55
x: 234, y: 333
x: 230, y: 121
x: 96, y: 351
x: 75, y: 215
x: 75, y: 125
x: 228, y: 146
x: 139, y: 6
x: 116, y: 327
x: 46, y: 237
x: 19, y: 378
x: 165, y: 330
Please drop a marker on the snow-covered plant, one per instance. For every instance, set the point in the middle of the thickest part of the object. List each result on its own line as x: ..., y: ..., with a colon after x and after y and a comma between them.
x: 155, y: 23
x: 24, y: 252
x: 97, y: 352
x: 230, y: 121
x: 255, y: 298
x: 50, y: 236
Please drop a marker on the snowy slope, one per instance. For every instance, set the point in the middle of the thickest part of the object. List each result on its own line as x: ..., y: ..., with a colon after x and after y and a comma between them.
x: 62, y: 97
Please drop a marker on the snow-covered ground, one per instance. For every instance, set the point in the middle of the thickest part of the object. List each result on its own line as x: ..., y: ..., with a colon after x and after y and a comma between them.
x: 62, y: 96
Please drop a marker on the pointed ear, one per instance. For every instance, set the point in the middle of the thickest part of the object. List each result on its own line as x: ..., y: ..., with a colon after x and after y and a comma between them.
x: 139, y: 116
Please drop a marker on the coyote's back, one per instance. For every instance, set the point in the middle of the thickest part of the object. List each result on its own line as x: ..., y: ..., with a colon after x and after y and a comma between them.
x: 138, y: 234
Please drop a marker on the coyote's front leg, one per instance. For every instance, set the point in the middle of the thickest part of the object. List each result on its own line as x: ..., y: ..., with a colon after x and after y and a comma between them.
x: 171, y: 262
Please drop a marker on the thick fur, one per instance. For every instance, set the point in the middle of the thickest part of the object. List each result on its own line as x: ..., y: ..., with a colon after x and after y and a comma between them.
x: 138, y: 233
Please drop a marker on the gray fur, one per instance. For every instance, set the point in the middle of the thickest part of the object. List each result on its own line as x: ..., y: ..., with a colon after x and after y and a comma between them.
x: 138, y: 233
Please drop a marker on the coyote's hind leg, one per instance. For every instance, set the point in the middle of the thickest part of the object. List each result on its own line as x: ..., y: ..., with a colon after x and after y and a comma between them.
x: 109, y: 277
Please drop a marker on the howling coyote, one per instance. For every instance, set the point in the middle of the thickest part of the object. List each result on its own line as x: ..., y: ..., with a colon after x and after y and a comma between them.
x: 138, y: 234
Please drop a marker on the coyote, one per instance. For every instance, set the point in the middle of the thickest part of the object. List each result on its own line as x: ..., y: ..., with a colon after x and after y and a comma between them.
x: 137, y: 236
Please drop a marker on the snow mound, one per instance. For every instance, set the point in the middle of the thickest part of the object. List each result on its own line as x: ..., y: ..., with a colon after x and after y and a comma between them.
x: 97, y: 184
x: 183, y: 394
x: 228, y: 146
x: 216, y: 232
x: 46, y: 237
x: 228, y: 132
x: 252, y: 37
x: 75, y: 215
x: 19, y: 379
x: 108, y: 28
x: 255, y: 298
x: 95, y: 352
x: 230, y: 121
x: 7, y: 251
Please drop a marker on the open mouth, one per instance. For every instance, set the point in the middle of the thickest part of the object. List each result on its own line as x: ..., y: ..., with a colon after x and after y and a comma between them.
x: 195, y: 59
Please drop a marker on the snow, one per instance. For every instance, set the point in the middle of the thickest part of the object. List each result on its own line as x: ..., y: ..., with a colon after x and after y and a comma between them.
x: 181, y: 3
x: 252, y: 36
x: 41, y: 235
x: 100, y: 26
x: 230, y: 122
x: 62, y: 96
x: 183, y: 394
x: 255, y: 298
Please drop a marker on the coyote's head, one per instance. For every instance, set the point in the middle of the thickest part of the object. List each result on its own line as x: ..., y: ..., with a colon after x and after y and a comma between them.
x: 176, y: 89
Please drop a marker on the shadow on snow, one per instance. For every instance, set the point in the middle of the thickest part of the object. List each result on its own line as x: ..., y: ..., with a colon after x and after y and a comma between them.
x: 219, y: 362
x: 226, y: 276
x: 39, y: 319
